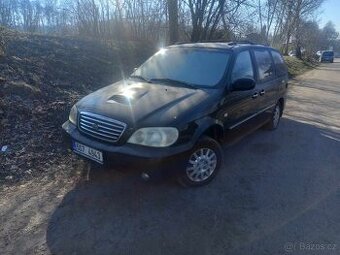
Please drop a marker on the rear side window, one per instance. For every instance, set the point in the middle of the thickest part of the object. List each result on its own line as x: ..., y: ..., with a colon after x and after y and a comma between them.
x: 280, y: 65
x: 264, y: 65
x: 243, y: 67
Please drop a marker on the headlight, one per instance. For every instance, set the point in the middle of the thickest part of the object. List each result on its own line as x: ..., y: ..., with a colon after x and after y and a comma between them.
x: 73, y: 115
x: 155, y: 136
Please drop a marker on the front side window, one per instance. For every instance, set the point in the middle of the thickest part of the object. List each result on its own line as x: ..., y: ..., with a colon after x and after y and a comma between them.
x: 264, y: 64
x: 243, y: 67
x: 198, y: 67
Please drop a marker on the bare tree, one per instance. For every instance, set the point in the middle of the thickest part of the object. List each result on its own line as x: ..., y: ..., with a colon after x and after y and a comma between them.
x: 208, y: 15
x: 268, y: 12
x: 4, y: 35
x: 296, y: 11
x: 7, y: 10
x: 329, y: 36
x: 278, y: 22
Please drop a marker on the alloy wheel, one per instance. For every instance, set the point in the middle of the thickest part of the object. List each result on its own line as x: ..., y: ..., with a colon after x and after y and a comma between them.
x: 201, y: 165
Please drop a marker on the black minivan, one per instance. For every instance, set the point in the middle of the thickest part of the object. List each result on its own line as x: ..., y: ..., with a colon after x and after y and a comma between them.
x: 179, y: 106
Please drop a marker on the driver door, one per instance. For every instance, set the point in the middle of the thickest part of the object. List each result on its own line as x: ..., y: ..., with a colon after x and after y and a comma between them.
x: 239, y: 106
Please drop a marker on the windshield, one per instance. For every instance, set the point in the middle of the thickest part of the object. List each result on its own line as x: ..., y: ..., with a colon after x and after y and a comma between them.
x: 196, y: 67
x: 328, y: 53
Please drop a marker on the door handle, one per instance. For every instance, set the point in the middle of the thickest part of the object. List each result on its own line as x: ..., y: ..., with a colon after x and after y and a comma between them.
x: 255, y: 95
x: 262, y: 92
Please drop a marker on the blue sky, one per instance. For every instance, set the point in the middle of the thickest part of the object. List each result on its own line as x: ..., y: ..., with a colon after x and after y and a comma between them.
x: 331, y: 11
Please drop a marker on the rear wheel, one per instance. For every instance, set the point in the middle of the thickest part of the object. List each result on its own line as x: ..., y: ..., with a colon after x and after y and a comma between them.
x: 275, y: 117
x: 202, y: 163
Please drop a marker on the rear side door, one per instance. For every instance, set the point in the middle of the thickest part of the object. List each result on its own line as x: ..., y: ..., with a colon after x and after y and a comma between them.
x: 238, y: 106
x: 266, y: 82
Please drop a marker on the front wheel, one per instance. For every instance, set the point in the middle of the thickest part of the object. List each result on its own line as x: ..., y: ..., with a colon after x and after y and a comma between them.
x: 202, y: 163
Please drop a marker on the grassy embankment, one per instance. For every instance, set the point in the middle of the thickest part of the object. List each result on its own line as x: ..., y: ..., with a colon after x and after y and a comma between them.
x: 41, y: 77
x: 297, y: 66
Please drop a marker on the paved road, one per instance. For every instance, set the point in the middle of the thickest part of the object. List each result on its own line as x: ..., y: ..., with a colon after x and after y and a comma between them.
x: 278, y: 194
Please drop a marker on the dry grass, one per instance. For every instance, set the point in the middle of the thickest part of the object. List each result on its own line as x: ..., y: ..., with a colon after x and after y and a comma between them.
x: 297, y: 66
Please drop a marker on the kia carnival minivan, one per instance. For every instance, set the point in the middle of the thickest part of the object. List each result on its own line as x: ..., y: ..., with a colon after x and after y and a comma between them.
x: 179, y: 105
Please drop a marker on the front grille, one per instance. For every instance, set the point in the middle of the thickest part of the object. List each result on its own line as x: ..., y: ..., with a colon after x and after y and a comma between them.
x: 101, y: 127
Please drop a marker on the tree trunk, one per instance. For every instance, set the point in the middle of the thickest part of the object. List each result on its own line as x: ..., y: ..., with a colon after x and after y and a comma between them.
x: 173, y: 20
x: 195, y: 34
x: 287, y: 45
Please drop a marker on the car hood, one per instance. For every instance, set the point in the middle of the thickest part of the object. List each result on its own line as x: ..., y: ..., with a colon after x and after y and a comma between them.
x: 146, y: 104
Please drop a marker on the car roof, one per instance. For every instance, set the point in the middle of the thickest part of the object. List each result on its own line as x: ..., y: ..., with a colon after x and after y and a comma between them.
x: 220, y: 45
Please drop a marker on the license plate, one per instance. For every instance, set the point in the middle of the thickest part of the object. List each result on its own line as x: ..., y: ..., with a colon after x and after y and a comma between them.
x: 88, y: 152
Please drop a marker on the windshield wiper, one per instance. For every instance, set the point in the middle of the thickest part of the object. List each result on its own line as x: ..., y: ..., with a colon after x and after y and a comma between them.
x: 141, y: 78
x: 175, y: 82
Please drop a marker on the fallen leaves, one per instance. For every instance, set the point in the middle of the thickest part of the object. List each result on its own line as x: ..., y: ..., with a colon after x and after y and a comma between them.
x: 40, y: 79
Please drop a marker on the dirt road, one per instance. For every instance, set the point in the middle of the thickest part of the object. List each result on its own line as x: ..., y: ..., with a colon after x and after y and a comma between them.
x: 278, y: 194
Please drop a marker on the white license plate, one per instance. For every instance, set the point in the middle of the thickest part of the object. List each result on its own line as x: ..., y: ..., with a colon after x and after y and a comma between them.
x: 88, y: 152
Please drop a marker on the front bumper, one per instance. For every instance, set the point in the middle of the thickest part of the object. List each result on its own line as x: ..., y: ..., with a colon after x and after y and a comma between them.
x: 128, y: 151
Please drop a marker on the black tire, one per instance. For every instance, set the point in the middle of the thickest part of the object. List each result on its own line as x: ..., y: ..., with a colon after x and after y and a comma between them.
x: 210, y: 147
x: 275, y: 117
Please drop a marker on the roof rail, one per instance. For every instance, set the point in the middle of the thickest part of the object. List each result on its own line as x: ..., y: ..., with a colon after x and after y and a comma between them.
x: 221, y: 41
x: 179, y: 43
x: 214, y: 41
x: 241, y: 42
x: 224, y: 41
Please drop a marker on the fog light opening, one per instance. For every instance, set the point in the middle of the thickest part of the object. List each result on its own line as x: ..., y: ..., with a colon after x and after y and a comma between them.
x: 145, y: 176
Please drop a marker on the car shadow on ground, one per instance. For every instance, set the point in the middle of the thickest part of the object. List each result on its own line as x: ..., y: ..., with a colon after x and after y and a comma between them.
x: 273, y: 185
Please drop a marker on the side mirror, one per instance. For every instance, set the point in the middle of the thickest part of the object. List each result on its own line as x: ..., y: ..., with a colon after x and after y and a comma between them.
x: 243, y: 84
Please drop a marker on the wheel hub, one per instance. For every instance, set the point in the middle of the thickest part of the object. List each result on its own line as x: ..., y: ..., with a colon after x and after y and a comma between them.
x: 202, y: 163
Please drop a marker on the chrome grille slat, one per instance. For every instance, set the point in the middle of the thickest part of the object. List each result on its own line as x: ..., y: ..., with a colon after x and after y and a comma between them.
x: 100, y: 124
x: 101, y: 127
x: 94, y: 132
x: 109, y: 133
x: 106, y: 121
x: 105, y: 130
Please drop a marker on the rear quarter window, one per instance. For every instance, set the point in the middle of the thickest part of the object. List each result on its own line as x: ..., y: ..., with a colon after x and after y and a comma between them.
x: 280, y: 65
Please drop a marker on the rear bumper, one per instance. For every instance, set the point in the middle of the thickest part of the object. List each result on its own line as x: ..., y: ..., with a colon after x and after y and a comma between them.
x: 327, y: 60
x: 127, y: 153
